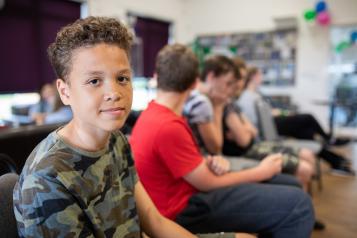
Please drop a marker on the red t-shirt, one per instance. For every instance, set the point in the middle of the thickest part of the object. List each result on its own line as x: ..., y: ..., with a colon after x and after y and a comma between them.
x: 165, y: 151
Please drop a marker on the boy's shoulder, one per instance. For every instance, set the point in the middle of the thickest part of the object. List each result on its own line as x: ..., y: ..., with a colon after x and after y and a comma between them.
x: 198, y: 108
x: 54, y: 155
x: 48, y: 157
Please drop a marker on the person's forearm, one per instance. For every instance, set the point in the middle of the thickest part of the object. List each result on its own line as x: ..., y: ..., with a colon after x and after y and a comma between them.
x: 240, y: 131
x: 218, y: 116
x: 163, y: 228
x: 250, y: 126
x: 204, y: 180
x: 234, y: 178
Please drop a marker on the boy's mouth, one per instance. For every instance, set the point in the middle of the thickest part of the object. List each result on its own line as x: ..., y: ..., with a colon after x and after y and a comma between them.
x: 115, y: 111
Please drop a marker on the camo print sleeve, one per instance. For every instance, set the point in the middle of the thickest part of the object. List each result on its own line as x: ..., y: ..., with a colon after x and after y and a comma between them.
x: 66, y: 192
x: 49, y: 210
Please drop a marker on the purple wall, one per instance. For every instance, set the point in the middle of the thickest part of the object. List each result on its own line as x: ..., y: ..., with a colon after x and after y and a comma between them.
x: 27, y: 27
x: 155, y: 35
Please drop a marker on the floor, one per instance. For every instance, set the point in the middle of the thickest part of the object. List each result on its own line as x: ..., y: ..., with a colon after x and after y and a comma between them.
x: 336, y: 204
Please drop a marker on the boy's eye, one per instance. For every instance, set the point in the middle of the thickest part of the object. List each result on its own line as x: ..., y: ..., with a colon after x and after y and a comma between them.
x: 123, y: 79
x: 94, y: 82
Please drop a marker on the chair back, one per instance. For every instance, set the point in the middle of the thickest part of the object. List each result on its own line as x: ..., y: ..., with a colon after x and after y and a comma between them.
x: 266, y: 124
x: 7, y: 165
x: 8, y: 226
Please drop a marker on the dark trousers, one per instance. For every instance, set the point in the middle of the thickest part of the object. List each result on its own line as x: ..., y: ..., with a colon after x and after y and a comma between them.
x: 270, y: 210
x: 305, y: 126
x: 300, y: 126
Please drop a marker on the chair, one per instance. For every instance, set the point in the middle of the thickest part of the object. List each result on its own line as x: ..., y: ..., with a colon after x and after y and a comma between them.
x: 19, y: 142
x: 8, y: 227
x: 269, y: 132
x: 7, y: 165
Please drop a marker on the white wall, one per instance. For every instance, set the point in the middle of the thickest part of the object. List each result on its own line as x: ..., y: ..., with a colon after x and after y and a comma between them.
x: 227, y: 16
x: 168, y: 10
x: 195, y: 17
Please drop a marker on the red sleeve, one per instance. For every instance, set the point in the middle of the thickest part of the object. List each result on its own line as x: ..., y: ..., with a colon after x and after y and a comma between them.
x: 177, y: 149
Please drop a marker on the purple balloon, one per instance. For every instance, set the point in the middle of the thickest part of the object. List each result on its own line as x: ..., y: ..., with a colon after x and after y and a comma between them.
x: 323, y: 18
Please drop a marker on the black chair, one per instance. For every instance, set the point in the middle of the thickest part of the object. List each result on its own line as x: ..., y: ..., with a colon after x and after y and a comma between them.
x: 7, y: 165
x: 19, y: 142
x: 8, y: 227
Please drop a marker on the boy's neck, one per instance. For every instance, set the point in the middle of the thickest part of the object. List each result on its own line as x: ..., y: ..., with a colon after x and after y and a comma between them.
x: 89, y: 140
x: 202, y: 87
x: 252, y: 87
x: 172, y: 100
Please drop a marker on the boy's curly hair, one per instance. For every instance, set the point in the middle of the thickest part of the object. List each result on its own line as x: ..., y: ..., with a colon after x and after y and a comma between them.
x: 86, y: 33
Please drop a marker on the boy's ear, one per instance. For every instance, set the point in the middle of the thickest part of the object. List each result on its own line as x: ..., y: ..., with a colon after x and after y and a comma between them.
x: 194, y: 84
x: 63, y: 91
x: 210, y: 77
x: 154, y: 76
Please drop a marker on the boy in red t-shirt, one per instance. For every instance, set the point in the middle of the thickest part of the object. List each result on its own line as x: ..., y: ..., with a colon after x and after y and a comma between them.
x: 190, y: 190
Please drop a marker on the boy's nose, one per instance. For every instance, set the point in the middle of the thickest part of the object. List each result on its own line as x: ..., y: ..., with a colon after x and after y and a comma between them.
x: 112, y: 96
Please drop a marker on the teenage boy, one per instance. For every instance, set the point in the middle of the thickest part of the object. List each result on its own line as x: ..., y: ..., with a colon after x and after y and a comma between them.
x: 80, y: 181
x: 181, y: 183
x: 219, y: 83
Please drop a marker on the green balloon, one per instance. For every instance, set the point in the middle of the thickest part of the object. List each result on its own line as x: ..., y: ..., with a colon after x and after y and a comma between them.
x: 233, y: 49
x: 342, y: 46
x: 206, y: 50
x: 309, y: 15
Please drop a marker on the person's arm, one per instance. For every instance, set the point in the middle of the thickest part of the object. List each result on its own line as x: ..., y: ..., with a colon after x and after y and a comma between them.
x: 211, y: 132
x: 203, y: 179
x: 239, y: 131
x: 250, y: 125
x: 218, y: 164
x: 177, y: 149
x: 152, y: 222
x: 156, y: 225
x: 64, y: 114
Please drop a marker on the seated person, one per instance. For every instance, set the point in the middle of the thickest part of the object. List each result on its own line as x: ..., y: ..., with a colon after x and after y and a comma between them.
x: 182, y: 184
x: 247, y: 101
x: 204, y: 110
x: 81, y: 181
x: 50, y: 109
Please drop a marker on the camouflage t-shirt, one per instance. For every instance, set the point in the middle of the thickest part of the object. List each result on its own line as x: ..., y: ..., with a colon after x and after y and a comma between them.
x: 67, y: 192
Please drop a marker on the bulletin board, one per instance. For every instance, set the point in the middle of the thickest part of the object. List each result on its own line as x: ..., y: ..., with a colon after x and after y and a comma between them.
x: 274, y: 52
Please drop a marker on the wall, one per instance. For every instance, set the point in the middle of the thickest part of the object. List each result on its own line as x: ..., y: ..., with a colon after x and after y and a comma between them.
x: 195, y: 17
x: 256, y: 15
x: 168, y: 10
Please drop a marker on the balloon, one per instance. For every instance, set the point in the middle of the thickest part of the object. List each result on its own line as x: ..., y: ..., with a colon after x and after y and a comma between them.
x: 354, y: 37
x: 342, y: 46
x: 309, y: 15
x: 321, y: 6
x: 323, y: 18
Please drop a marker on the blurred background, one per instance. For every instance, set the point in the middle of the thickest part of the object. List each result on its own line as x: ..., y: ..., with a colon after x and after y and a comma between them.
x: 309, y: 62
x: 306, y: 50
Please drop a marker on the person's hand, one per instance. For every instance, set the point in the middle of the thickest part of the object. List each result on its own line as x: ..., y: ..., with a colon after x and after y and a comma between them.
x: 39, y: 118
x: 218, y: 164
x: 271, y: 165
x: 218, y: 97
x: 229, y: 135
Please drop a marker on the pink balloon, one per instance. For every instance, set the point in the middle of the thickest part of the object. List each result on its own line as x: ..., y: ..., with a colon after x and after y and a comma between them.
x: 323, y: 18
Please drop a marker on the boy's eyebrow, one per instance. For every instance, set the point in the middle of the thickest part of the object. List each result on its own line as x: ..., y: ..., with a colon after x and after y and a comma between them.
x: 123, y: 71
x: 99, y: 73
x: 95, y: 73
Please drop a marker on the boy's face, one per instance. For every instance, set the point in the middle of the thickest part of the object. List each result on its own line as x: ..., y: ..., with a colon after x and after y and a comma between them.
x: 99, y: 87
x: 224, y: 84
x: 243, y: 73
